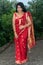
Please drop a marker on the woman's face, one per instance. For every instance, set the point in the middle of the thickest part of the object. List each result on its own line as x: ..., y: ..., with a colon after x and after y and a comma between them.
x: 19, y: 9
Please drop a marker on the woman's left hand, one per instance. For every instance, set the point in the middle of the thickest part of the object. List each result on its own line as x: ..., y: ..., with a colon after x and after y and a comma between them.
x: 21, y: 27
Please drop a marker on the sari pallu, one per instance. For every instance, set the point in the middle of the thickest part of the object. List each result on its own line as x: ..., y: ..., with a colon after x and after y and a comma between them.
x: 31, y: 36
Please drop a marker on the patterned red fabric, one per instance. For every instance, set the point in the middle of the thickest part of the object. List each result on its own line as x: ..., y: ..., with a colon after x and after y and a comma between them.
x: 32, y: 36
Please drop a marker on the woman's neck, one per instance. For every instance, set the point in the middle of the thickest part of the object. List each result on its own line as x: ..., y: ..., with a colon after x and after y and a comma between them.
x: 20, y: 13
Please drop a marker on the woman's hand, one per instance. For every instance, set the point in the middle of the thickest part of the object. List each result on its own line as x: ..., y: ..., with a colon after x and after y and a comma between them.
x: 21, y: 27
x: 16, y: 36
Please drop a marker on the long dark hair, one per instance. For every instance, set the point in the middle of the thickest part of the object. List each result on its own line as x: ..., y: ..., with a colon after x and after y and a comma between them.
x: 22, y: 6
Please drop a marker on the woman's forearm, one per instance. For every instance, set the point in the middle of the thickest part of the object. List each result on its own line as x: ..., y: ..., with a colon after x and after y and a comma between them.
x: 28, y: 21
x: 13, y: 24
x: 14, y: 29
x: 27, y: 25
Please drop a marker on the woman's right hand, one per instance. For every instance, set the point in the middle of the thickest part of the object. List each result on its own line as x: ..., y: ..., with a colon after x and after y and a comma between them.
x: 16, y: 36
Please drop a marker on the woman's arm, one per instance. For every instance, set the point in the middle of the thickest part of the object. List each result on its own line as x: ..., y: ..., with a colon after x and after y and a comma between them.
x: 13, y: 23
x: 28, y: 22
x: 14, y: 29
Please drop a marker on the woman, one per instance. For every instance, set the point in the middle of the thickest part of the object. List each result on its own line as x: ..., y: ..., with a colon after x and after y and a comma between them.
x: 21, y: 23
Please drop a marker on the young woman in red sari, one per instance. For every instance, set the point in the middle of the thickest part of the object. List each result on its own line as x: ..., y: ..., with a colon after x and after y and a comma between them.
x: 22, y: 28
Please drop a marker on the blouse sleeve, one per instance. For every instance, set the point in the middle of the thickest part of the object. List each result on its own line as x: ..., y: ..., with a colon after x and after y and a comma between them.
x: 29, y: 14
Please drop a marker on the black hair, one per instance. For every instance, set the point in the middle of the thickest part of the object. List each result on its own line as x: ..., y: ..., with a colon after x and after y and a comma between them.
x: 22, y: 6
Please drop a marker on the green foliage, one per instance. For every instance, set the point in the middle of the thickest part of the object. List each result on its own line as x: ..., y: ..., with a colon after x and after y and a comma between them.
x: 6, y: 14
x: 6, y: 32
x: 36, y: 8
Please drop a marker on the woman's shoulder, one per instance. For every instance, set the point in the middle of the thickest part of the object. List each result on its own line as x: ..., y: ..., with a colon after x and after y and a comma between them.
x: 14, y: 14
x: 28, y: 13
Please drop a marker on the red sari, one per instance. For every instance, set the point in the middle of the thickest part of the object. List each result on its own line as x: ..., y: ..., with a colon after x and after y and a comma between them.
x: 21, y: 41
x: 31, y: 36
